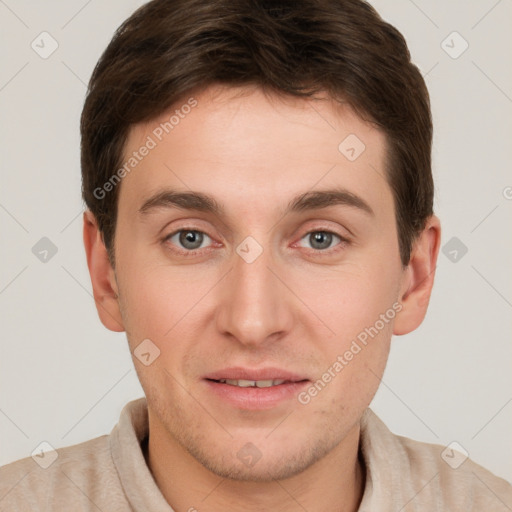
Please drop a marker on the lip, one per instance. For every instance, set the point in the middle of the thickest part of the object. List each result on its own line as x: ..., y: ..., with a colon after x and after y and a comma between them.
x: 237, y: 373
x: 254, y: 398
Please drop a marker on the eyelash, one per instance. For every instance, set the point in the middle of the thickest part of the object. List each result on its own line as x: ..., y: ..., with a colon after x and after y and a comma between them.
x: 343, y: 241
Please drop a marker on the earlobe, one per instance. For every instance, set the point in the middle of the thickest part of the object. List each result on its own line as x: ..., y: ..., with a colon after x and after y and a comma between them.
x: 418, y: 278
x: 102, y: 275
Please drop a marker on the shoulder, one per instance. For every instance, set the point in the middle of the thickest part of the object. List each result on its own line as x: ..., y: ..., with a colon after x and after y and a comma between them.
x: 457, y: 479
x: 76, y: 474
x: 425, y: 476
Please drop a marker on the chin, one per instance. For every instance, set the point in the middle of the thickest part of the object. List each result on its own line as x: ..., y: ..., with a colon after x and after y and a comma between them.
x: 250, y: 464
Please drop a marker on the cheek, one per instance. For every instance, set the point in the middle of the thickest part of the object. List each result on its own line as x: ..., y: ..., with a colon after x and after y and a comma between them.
x: 160, y: 306
x: 358, y: 305
x: 158, y: 299
x: 348, y: 299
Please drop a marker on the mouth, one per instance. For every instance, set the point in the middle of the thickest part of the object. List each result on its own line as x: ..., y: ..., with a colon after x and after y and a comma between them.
x: 255, y: 389
x: 242, y: 383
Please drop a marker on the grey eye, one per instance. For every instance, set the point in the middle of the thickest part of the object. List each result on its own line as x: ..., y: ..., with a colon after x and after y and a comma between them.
x: 320, y: 240
x: 189, y: 239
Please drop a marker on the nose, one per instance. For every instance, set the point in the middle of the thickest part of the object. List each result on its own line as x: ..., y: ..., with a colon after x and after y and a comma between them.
x: 255, y: 307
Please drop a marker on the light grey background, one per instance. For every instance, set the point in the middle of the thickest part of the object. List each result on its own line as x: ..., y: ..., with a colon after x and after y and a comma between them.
x: 64, y: 378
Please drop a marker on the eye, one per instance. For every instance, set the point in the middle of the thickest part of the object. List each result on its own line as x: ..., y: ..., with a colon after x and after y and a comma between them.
x: 320, y: 240
x: 189, y: 239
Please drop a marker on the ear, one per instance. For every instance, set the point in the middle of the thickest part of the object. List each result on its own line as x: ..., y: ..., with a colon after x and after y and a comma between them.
x: 418, y: 278
x: 102, y: 275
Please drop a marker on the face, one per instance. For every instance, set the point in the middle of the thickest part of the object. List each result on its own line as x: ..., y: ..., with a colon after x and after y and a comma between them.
x: 252, y: 248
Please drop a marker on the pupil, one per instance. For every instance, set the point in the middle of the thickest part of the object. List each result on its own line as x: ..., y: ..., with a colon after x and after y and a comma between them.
x: 321, y: 240
x: 191, y: 239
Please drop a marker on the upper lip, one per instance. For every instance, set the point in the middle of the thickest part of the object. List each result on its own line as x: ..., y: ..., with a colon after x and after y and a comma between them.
x: 239, y: 373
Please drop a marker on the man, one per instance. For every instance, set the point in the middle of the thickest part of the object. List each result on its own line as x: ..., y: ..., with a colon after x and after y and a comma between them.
x: 259, y: 191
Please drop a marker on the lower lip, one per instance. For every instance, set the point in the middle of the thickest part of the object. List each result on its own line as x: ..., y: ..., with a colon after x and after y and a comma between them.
x: 256, y: 398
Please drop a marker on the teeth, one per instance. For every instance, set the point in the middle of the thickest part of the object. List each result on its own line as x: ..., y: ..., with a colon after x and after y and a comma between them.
x: 241, y: 383
x: 264, y: 383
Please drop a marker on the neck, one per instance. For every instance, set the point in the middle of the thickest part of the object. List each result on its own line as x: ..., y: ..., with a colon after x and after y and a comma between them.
x: 337, y: 480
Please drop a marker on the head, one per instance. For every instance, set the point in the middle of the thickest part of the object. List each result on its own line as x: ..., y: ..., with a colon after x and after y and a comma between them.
x: 304, y: 126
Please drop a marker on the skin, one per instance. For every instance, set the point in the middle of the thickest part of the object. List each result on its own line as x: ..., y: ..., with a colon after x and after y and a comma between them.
x: 298, y: 306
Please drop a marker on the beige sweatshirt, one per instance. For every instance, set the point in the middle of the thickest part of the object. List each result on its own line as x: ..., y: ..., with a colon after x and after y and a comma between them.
x: 109, y: 474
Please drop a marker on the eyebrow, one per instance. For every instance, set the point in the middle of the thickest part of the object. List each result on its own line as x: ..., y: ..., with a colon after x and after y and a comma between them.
x: 197, y: 201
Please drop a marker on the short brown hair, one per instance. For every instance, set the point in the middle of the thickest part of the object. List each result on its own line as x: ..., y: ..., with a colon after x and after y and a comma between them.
x: 168, y: 48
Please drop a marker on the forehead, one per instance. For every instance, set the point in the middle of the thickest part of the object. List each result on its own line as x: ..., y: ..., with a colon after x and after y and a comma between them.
x: 247, y: 147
